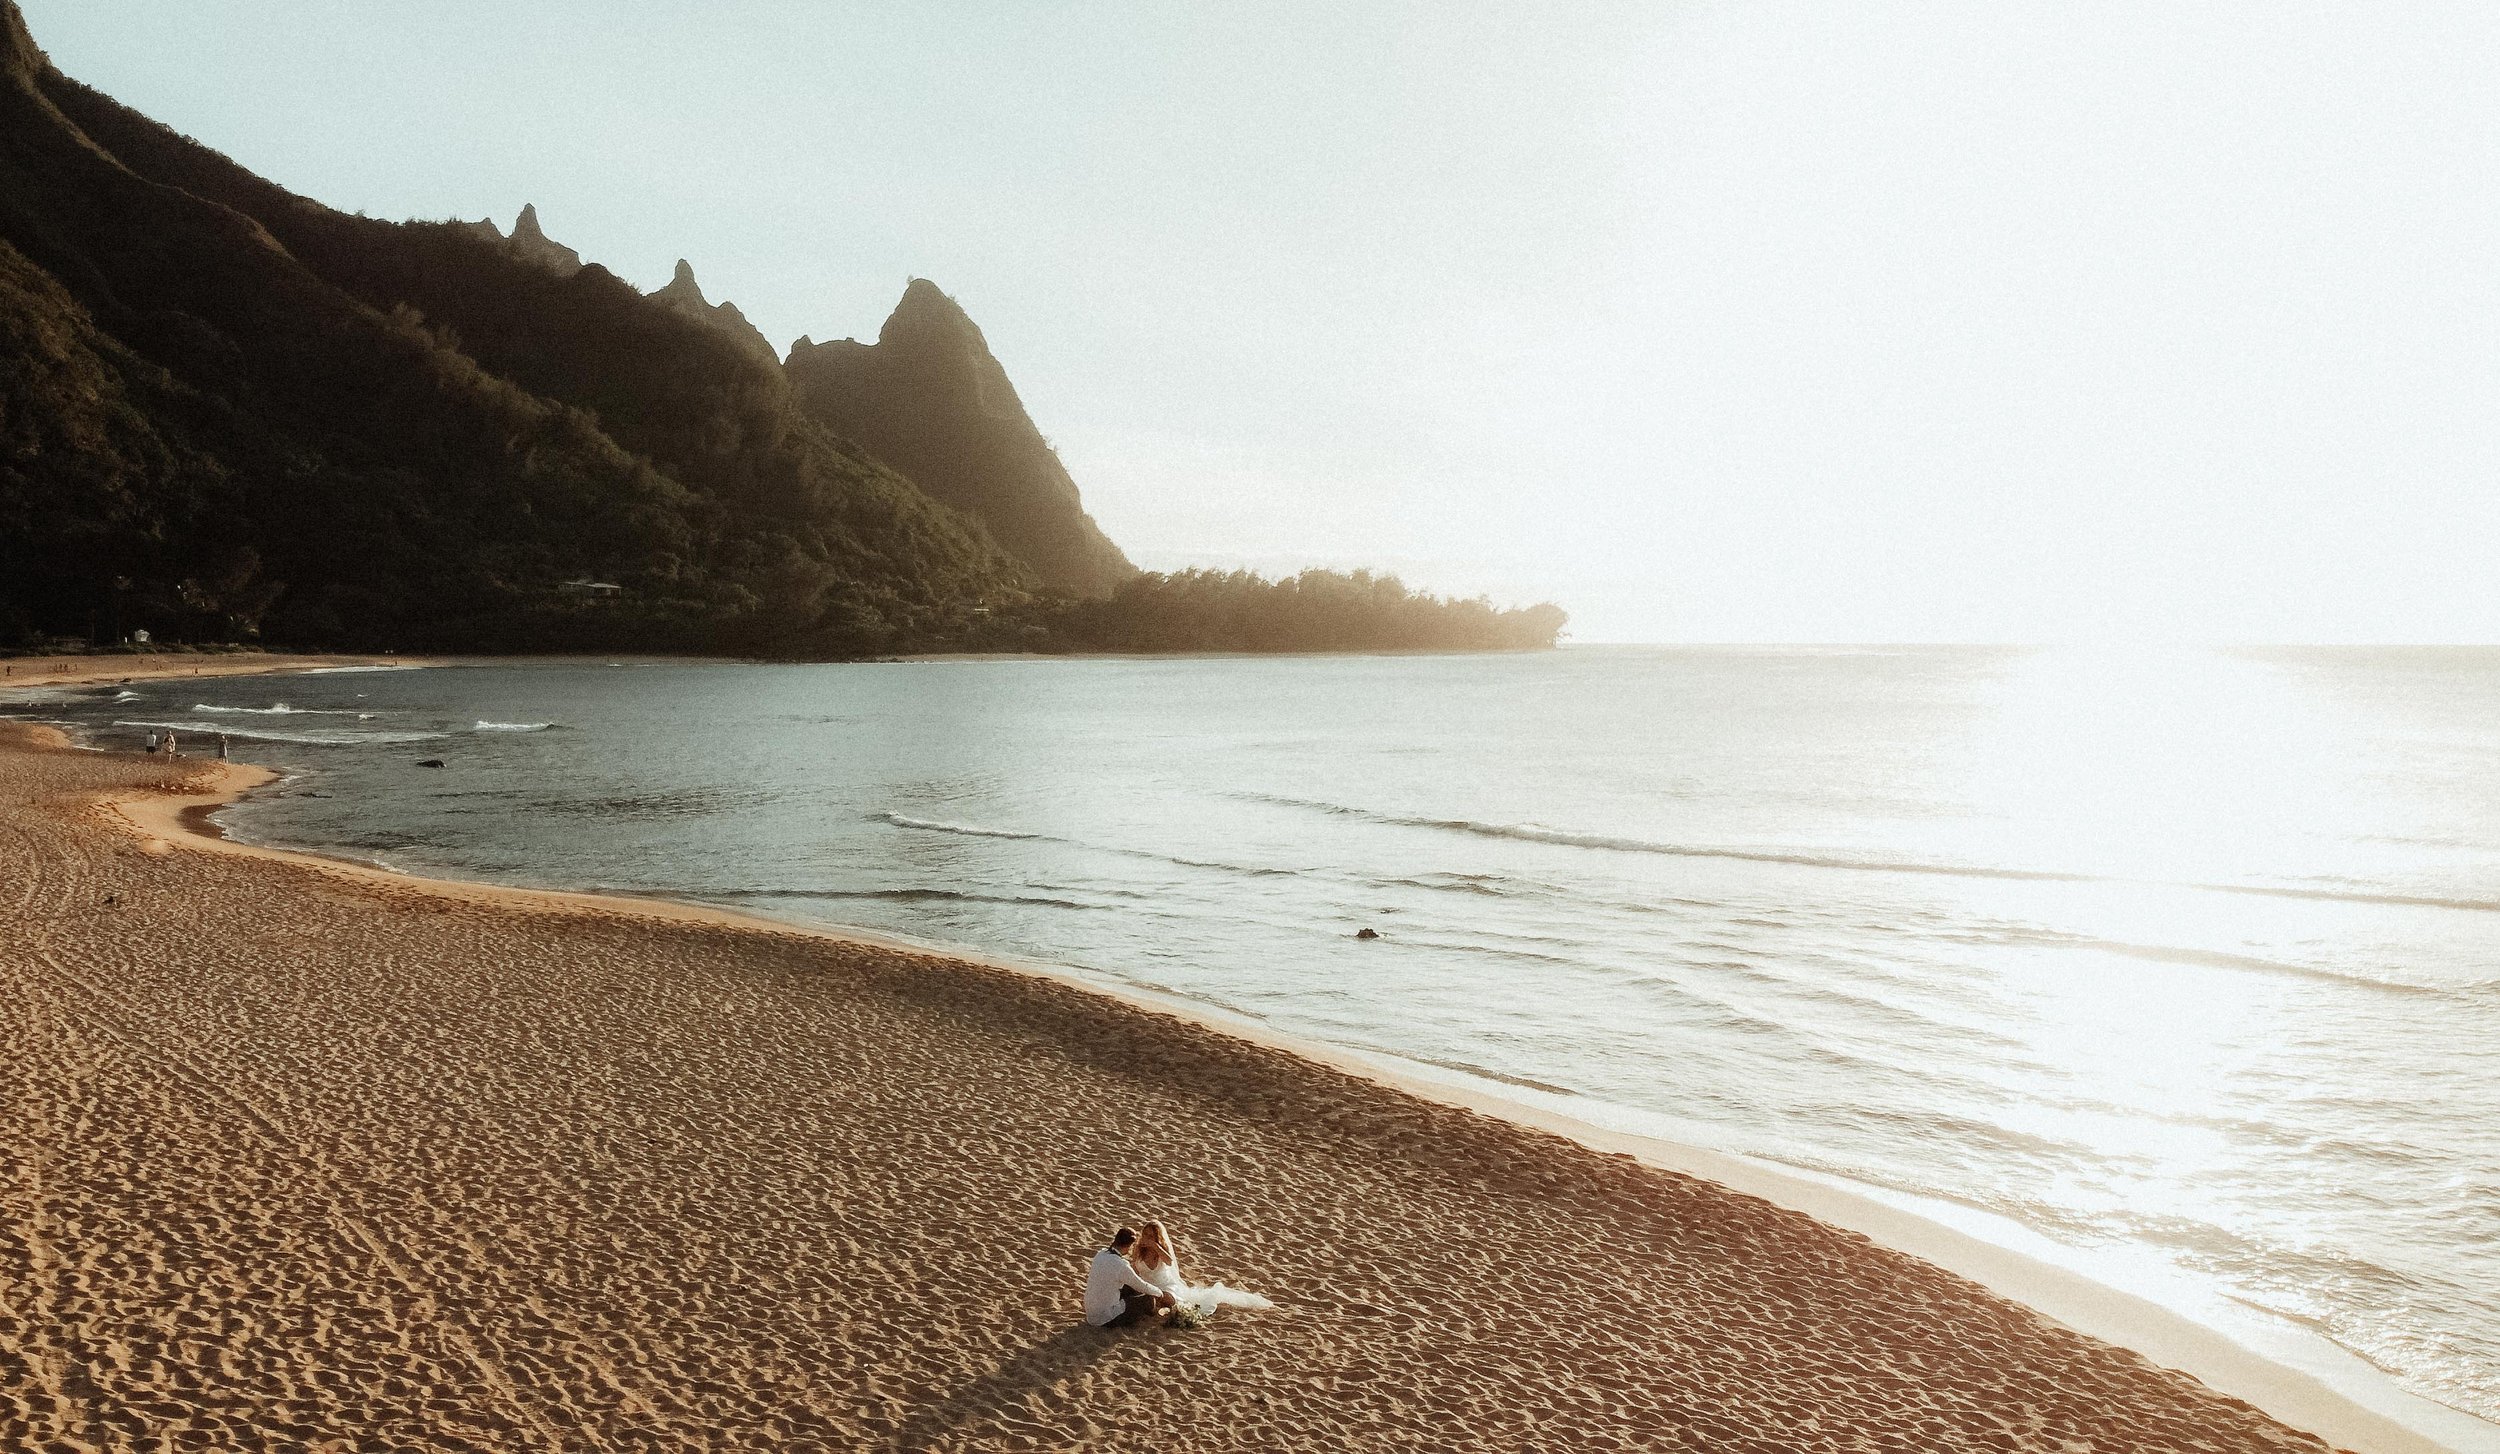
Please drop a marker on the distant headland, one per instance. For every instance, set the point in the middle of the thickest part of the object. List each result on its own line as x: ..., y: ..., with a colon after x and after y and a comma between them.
x: 238, y: 415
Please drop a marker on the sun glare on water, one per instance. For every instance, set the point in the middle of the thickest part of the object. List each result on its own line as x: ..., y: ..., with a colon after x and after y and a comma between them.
x: 2168, y: 765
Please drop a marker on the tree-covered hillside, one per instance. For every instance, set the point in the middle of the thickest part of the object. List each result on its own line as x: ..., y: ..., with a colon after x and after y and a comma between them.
x: 229, y: 413
x: 227, y: 410
x: 1317, y: 610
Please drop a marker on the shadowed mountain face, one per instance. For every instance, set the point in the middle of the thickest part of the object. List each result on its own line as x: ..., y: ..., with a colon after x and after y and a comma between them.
x: 228, y: 412
x: 928, y: 399
x: 225, y: 409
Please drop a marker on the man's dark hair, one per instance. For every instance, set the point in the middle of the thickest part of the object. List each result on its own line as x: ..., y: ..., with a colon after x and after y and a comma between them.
x: 1121, y: 1239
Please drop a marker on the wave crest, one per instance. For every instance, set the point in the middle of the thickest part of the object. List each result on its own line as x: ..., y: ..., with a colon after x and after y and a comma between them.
x: 280, y: 710
x: 309, y: 737
x: 968, y: 830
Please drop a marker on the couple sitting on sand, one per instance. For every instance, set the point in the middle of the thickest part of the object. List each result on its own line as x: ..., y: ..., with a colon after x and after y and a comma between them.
x: 1138, y: 1279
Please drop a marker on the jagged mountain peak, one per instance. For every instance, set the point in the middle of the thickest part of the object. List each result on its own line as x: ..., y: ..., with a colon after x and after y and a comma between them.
x: 533, y: 244
x: 926, y: 310
x: 929, y: 399
x: 685, y: 295
x: 18, y: 52
x: 682, y: 285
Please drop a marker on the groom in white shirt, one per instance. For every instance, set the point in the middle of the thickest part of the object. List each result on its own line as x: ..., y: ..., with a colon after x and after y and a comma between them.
x: 1115, y: 1296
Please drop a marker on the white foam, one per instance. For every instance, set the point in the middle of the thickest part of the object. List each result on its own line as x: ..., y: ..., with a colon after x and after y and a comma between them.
x: 280, y: 710
x: 968, y: 830
x: 310, y: 737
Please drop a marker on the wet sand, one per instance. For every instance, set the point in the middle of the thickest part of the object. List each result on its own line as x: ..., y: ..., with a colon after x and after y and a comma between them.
x: 41, y: 671
x: 310, y: 1156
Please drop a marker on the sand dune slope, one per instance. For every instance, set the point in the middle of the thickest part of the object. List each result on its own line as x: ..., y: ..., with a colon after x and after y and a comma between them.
x: 298, y: 1160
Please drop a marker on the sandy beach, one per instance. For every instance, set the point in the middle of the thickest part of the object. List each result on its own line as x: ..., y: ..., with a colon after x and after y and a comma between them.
x: 310, y: 1156
x: 41, y: 671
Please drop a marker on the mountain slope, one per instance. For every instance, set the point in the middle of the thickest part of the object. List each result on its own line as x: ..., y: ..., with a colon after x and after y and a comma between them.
x: 929, y: 399
x: 228, y: 412
x: 418, y: 434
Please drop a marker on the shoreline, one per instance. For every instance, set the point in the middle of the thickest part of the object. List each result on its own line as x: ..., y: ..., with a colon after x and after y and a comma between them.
x: 2341, y: 1408
x: 2302, y: 1397
x: 100, y: 669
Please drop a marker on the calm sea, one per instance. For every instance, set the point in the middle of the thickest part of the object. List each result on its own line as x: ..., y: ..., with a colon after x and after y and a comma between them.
x: 2185, y: 958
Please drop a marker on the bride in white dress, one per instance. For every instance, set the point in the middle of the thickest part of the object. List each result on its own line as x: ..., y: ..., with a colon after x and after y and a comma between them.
x: 1158, y: 1260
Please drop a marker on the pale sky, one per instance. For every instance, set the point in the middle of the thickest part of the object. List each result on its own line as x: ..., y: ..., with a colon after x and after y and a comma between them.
x: 1712, y: 321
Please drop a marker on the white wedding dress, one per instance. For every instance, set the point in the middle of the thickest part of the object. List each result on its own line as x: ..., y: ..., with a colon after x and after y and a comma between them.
x: 1201, y: 1300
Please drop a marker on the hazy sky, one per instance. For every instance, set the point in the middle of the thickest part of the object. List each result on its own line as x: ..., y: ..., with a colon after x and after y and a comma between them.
x: 1711, y: 321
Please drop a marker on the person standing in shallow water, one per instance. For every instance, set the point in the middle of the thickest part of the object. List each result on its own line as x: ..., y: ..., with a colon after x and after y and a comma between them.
x: 221, y: 747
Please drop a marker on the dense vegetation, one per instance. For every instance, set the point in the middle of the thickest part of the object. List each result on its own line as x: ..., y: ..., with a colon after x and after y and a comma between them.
x: 228, y: 413
x: 1204, y: 610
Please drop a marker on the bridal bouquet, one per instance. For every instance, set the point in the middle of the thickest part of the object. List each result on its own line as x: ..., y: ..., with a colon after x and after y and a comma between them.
x: 1188, y: 1315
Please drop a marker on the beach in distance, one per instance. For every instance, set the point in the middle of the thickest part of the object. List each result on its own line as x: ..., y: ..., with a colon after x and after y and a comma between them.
x: 331, y: 1149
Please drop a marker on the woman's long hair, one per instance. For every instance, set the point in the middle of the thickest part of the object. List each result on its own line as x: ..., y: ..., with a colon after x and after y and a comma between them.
x: 1155, y: 1247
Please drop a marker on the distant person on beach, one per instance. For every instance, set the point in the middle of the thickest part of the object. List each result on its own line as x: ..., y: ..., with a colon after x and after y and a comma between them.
x: 221, y: 747
x: 170, y: 749
x: 1115, y: 1296
x: 151, y: 742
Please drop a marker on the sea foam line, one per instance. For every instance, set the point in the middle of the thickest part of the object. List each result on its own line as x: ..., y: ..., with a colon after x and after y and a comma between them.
x: 907, y: 896
x: 314, y: 738
x: 280, y: 710
x: 968, y: 830
x: 1537, y: 833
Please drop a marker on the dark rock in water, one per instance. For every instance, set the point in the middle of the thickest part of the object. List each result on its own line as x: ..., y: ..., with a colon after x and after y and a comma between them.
x: 1366, y: 933
x: 931, y: 402
x: 429, y: 762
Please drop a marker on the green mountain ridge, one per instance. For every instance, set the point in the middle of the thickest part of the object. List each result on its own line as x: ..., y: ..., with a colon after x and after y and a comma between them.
x: 417, y: 436
x: 228, y: 412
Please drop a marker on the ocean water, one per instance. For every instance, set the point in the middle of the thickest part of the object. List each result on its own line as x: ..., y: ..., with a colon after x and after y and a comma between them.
x: 2189, y: 958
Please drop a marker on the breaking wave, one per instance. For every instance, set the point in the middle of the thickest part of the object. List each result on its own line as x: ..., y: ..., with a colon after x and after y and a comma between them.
x: 309, y: 737
x: 280, y: 710
x: 968, y: 830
